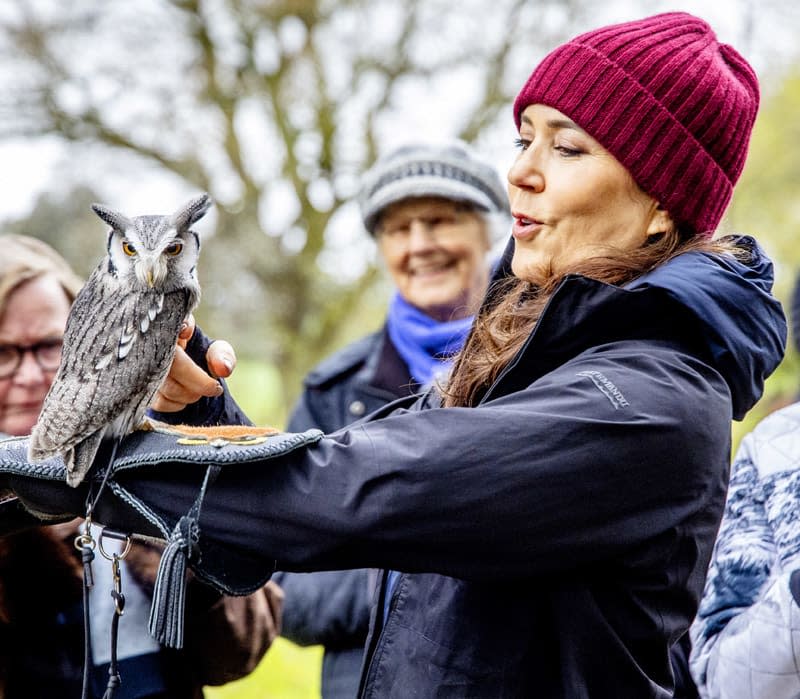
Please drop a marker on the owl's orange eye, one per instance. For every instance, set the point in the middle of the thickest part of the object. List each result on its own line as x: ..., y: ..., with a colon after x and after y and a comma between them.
x: 128, y: 249
x: 173, y: 249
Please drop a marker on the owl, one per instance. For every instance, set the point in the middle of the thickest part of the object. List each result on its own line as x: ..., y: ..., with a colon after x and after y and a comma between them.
x: 121, y: 335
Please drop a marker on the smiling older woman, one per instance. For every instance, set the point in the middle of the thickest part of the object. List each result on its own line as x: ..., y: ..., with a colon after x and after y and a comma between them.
x: 553, y: 510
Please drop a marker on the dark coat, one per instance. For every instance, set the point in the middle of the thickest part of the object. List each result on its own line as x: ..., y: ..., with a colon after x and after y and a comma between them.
x: 554, y: 539
x: 357, y: 380
x: 332, y: 608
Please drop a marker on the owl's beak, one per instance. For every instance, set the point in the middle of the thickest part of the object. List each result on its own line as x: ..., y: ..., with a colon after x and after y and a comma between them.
x: 148, y: 272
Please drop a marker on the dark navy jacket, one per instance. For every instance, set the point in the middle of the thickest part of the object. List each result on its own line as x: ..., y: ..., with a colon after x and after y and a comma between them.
x: 554, y: 539
x: 332, y: 608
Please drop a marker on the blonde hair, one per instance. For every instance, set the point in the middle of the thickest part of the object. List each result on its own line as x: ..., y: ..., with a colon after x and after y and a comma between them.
x: 24, y: 258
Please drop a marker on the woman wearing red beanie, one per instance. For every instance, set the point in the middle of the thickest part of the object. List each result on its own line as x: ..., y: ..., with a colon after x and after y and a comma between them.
x: 552, y: 506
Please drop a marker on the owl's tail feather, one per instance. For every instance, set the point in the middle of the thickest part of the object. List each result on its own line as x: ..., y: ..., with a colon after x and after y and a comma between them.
x: 39, y: 447
x: 80, y: 458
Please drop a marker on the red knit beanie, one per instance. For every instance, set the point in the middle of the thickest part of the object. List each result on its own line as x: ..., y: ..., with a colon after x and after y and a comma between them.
x: 670, y: 102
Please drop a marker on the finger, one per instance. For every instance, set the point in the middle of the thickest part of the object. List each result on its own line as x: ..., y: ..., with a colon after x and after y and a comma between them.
x: 165, y: 405
x: 186, y: 331
x: 185, y: 384
x: 187, y: 374
x: 275, y: 596
x: 175, y: 392
x: 273, y: 629
x: 221, y: 359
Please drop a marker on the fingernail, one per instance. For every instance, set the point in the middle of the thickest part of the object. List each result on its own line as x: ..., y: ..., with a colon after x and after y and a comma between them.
x: 218, y: 391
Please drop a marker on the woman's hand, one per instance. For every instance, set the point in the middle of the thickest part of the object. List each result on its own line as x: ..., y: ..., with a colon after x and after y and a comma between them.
x: 274, y: 595
x: 186, y: 382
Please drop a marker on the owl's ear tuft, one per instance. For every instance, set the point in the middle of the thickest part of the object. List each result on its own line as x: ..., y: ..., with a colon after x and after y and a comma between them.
x: 116, y: 220
x: 192, y: 211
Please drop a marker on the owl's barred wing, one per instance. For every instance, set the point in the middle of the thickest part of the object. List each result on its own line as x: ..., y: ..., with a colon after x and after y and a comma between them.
x: 117, y: 350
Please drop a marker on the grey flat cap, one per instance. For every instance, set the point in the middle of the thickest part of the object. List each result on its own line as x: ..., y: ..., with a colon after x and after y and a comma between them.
x: 451, y: 171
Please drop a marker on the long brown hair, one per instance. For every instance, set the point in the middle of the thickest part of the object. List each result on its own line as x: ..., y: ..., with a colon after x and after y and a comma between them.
x: 501, y: 329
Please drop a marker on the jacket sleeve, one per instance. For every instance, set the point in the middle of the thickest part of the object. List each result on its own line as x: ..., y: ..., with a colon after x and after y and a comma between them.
x: 746, y: 637
x: 526, y: 484
x: 228, y: 639
x: 329, y: 608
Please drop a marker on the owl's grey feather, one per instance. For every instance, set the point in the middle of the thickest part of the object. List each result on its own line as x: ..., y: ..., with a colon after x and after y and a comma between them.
x: 121, y: 336
x: 191, y: 212
x: 117, y: 221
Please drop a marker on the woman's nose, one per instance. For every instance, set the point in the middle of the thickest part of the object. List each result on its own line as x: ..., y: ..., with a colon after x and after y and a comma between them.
x: 526, y: 172
x: 29, y: 372
x: 421, y: 235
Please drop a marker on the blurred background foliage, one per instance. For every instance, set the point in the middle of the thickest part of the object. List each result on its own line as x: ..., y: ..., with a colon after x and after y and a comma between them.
x: 276, y: 107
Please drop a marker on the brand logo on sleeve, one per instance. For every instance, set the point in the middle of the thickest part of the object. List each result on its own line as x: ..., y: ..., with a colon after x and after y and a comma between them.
x: 607, y: 388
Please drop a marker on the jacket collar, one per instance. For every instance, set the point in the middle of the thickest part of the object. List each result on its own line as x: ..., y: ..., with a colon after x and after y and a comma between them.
x: 721, y: 306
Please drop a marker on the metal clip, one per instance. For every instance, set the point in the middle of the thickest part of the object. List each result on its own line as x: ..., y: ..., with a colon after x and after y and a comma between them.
x: 119, y: 598
x: 115, y: 558
x: 85, y: 538
x: 85, y: 543
x: 108, y: 534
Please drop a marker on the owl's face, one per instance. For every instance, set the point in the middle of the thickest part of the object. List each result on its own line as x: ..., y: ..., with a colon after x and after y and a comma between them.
x: 154, y: 253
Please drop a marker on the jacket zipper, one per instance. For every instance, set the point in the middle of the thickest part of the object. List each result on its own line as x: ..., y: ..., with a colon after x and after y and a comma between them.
x: 377, y: 637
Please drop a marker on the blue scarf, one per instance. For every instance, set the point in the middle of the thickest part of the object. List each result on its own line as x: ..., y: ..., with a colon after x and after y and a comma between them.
x: 426, y: 345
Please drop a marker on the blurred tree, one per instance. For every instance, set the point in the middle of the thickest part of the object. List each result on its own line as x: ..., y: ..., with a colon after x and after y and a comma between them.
x: 766, y: 204
x: 273, y: 106
x: 67, y: 222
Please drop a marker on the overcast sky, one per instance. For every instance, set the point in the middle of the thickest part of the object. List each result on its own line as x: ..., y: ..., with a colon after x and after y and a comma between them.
x: 26, y: 168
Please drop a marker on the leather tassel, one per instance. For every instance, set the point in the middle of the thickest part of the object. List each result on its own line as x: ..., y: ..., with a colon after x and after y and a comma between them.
x: 169, y: 594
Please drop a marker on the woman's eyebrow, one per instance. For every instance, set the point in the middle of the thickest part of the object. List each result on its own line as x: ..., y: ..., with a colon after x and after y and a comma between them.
x: 563, y: 124
x: 555, y: 123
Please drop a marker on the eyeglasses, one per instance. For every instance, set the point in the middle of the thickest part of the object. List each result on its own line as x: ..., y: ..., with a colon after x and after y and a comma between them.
x: 47, y: 354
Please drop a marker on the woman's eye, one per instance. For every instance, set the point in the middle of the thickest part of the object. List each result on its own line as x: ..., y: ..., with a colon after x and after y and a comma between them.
x: 394, y: 229
x: 522, y: 143
x: 173, y: 248
x: 128, y: 249
x: 568, y: 152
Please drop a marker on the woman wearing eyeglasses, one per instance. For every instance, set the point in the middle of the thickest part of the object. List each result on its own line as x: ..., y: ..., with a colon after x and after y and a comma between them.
x: 41, y: 622
x: 36, y: 290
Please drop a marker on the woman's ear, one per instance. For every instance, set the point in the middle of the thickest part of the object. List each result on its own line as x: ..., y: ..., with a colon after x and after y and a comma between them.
x: 660, y: 222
